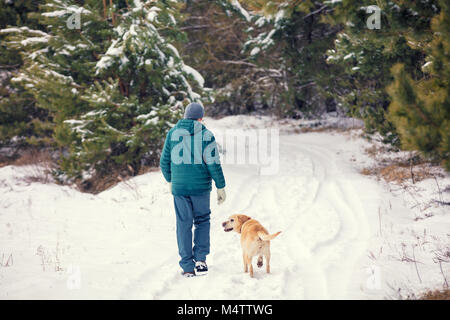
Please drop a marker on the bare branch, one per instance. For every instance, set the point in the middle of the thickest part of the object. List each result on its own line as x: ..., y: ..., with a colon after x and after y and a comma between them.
x: 315, y: 12
x: 202, y: 26
x: 240, y: 63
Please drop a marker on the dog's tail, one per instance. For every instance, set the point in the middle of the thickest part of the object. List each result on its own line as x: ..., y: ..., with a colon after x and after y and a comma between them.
x: 267, y: 237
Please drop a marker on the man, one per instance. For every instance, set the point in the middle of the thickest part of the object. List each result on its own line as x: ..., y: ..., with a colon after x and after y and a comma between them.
x: 189, y: 161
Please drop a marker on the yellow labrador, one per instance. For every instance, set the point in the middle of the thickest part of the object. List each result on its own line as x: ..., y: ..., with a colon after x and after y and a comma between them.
x: 255, y: 240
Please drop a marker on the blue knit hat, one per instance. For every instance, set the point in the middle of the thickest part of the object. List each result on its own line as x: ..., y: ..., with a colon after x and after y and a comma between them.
x: 194, y: 111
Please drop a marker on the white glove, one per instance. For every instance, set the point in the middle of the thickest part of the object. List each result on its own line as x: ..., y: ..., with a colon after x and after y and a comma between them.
x: 170, y: 187
x: 221, y: 196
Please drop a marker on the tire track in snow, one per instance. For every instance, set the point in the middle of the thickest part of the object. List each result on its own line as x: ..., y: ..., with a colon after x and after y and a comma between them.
x: 310, y: 200
x: 338, y: 254
x: 305, y: 265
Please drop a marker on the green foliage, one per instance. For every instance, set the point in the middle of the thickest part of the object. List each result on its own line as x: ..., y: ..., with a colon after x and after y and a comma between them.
x: 107, y: 92
x: 22, y: 122
x: 113, y: 87
x: 15, y: 13
x: 365, y: 57
x: 375, y: 121
x: 420, y: 109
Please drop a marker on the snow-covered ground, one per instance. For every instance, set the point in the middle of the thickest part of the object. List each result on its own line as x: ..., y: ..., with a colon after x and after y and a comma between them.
x: 345, y: 235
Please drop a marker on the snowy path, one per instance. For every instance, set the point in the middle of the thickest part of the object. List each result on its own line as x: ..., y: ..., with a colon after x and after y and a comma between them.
x: 123, y: 240
x: 324, y: 232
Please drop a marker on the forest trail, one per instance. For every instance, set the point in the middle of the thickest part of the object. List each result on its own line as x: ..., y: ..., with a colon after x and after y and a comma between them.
x: 123, y: 240
x: 325, y: 232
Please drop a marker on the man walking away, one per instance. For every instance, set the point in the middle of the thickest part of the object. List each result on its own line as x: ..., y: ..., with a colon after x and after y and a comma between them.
x: 189, y: 161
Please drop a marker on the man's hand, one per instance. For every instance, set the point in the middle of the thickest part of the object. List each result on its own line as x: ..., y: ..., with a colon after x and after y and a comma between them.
x: 221, y: 196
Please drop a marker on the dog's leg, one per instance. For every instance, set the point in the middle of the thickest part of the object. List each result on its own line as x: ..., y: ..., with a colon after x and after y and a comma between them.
x: 244, y: 256
x: 249, y: 262
x: 267, y: 255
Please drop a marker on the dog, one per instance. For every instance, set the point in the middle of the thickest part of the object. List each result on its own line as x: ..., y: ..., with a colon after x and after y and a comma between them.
x: 255, y: 240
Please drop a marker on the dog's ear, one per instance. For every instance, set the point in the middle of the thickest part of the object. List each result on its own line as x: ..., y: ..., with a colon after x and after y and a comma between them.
x: 243, y: 218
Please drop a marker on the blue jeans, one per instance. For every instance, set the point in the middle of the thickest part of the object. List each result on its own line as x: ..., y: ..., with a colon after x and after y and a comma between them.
x: 192, y: 210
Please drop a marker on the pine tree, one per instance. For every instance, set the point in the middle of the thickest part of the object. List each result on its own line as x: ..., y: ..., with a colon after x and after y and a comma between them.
x: 365, y: 56
x: 22, y: 122
x: 421, y: 109
x: 114, y: 85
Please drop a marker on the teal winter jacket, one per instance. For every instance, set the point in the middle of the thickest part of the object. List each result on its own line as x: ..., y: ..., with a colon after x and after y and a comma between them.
x: 190, y: 159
